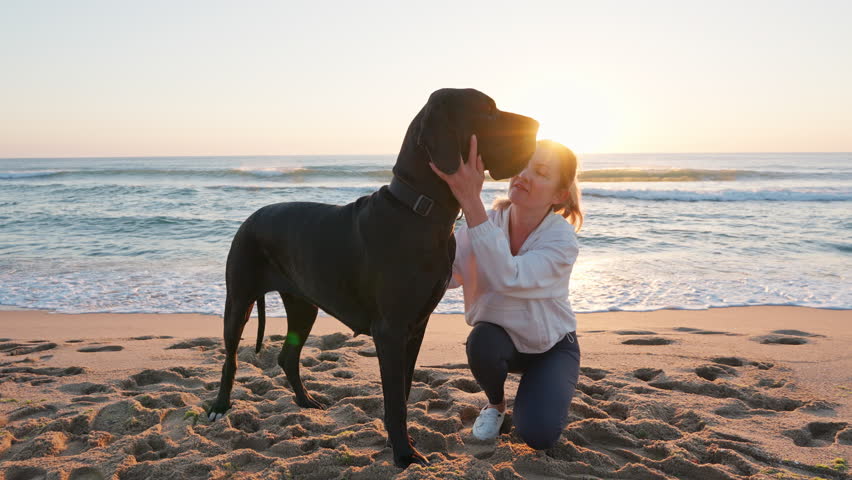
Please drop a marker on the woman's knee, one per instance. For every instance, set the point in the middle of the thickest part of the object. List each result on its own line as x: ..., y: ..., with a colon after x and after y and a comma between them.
x: 539, y: 437
x: 484, y: 344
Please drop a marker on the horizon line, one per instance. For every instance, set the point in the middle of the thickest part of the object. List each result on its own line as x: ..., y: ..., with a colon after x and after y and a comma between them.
x: 385, y: 154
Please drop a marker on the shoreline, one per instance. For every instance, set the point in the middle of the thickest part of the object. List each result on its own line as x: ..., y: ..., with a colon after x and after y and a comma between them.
x: 16, y: 308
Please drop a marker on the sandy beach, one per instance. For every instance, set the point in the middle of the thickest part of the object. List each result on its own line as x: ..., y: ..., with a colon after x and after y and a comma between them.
x: 729, y: 393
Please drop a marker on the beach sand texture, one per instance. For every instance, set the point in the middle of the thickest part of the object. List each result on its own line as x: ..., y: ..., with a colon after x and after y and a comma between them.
x: 751, y: 392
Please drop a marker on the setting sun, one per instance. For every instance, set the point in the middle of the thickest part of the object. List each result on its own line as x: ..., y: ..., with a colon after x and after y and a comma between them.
x: 580, y: 119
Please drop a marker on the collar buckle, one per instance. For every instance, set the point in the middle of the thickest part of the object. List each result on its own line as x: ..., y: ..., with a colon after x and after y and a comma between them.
x: 423, y: 205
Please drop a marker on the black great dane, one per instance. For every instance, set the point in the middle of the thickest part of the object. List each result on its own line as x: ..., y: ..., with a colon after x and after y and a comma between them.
x: 380, y: 264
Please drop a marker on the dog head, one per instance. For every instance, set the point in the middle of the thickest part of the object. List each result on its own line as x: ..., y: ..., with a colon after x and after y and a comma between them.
x: 505, y: 140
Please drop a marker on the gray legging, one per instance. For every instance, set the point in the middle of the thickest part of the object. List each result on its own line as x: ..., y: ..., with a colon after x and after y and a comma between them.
x: 547, y: 382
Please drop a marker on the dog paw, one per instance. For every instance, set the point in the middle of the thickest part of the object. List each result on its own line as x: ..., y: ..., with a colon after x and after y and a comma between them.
x: 403, y: 461
x: 309, y: 402
x: 216, y: 412
x: 213, y: 416
x: 411, y: 442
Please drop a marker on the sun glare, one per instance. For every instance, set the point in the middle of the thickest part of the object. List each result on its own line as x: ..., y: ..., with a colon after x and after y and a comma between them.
x: 581, y: 121
x: 583, y: 131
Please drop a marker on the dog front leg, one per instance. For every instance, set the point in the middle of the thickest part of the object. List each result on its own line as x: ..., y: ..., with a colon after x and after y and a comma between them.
x: 391, y: 351
x: 411, y: 352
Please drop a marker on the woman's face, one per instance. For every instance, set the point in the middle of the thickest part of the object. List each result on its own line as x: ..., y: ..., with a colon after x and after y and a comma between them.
x: 537, y: 186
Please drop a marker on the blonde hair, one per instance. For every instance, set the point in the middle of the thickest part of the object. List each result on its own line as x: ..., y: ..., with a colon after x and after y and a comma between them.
x: 571, y: 208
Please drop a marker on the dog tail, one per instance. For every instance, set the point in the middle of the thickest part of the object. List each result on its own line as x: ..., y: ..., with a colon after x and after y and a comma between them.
x: 261, y: 321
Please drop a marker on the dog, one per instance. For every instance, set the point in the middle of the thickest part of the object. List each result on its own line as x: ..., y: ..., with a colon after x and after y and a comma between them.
x: 381, y: 264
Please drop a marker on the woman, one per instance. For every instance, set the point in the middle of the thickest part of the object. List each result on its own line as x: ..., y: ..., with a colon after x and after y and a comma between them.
x: 514, y: 262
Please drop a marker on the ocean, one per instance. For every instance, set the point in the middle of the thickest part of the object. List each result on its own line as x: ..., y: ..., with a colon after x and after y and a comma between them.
x: 662, y: 231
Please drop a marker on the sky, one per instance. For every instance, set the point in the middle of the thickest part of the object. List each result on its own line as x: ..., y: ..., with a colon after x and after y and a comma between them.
x: 128, y: 78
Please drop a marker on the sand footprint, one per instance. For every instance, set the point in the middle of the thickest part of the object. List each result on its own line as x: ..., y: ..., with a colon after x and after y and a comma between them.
x: 126, y: 417
x: 752, y: 398
x: 90, y: 399
x: 740, y: 362
x: 739, y: 409
x: 594, y: 373
x: 796, y: 333
x: 698, y: 331
x: 203, y: 342
x: 464, y: 384
x: 749, y: 395
x: 104, y: 348
x: 648, y: 341
x: 583, y: 410
x: 167, y: 400
x: 153, y: 447
x: 643, y: 341
x: 368, y: 352
x: 780, y: 340
x: 14, y: 349
x: 310, y: 362
x: 19, y: 374
x: 437, y: 376
x: 327, y: 361
x: 86, y: 388
x: 258, y: 385
x: 331, y: 341
x: 646, y: 374
x: 820, y: 434
x: 86, y: 473
x: 712, y: 372
x: 771, y: 382
x: 786, y: 337
x: 25, y: 473
x: 48, y: 444
x: 598, y: 391
x: 153, y: 377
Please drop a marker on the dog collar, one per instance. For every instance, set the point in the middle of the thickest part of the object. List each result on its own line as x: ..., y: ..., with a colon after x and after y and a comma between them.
x: 419, y: 203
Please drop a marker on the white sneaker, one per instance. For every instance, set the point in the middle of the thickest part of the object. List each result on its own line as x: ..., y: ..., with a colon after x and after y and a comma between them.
x: 487, y: 425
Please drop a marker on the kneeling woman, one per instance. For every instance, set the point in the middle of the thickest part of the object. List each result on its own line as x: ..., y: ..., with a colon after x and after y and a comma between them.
x: 514, y: 263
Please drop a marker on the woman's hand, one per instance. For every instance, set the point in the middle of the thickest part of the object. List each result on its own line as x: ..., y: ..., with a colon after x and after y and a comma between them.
x: 466, y: 185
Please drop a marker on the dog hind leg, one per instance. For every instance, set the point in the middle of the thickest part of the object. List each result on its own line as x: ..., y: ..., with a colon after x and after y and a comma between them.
x: 261, y: 322
x: 236, y: 316
x: 301, y: 316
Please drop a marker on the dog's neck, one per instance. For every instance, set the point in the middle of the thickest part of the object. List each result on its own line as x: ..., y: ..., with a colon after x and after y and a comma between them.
x: 412, y: 168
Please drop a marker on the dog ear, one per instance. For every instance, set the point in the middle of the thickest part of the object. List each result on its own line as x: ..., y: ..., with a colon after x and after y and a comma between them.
x: 439, y: 138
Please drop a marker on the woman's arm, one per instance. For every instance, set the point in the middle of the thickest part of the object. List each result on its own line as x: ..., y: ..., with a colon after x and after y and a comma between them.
x: 530, y: 275
x: 462, y: 249
x: 466, y: 185
x: 456, y: 279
